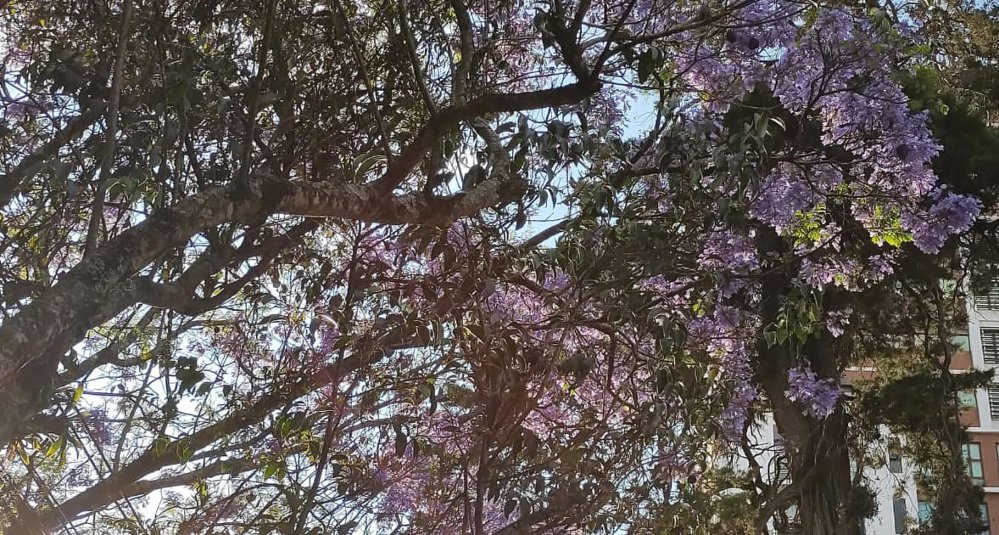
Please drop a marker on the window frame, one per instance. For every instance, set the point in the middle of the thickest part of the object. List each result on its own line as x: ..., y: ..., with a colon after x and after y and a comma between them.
x: 898, y: 508
x: 894, y: 461
x: 972, y: 462
x: 924, y: 511
x: 992, y: 392
x: 989, y: 338
x: 989, y: 300
x: 967, y: 399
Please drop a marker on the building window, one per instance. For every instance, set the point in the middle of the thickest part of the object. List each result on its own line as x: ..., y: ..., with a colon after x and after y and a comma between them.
x: 894, y: 461
x: 899, y: 506
x: 967, y: 399
x: 989, y: 300
x: 962, y: 342
x: 985, y: 520
x: 990, y: 346
x: 782, y: 470
x: 994, y: 402
x: 924, y: 512
x: 973, y: 457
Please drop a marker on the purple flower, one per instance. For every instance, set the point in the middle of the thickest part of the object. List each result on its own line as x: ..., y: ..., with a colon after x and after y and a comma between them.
x: 782, y: 194
x: 98, y: 420
x: 730, y: 252
x: 879, y: 267
x: 837, y: 320
x: 816, y: 396
x: 838, y: 271
x: 737, y: 411
x: 726, y: 334
x: 607, y: 109
x: 950, y: 215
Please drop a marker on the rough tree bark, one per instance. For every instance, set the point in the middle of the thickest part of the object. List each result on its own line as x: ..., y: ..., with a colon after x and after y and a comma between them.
x: 820, y: 466
x: 105, y: 283
x: 817, y: 449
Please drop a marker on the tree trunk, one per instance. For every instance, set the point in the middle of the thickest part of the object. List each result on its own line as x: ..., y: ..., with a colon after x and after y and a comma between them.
x: 817, y: 450
x: 821, y: 466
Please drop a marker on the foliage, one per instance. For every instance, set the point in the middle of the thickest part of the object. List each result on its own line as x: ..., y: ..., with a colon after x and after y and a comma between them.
x: 266, y: 269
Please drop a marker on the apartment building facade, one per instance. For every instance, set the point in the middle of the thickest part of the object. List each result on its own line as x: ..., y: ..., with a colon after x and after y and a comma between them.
x: 982, y: 414
x: 900, y: 506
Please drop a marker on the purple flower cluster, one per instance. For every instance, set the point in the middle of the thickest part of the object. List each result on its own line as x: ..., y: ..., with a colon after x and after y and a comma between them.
x: 832, y: 270
x: 837, y: 320
x: 817, y: 396
x: 728, y: 251
x: 99, y: 426
x: 836, y: 68
x: 729, y: 254
x: 951, y: 214
x: 511, y: 304
x: 782, y: 194
x: 607, y: 109
x: 410, y: 486
x: 727, y: 335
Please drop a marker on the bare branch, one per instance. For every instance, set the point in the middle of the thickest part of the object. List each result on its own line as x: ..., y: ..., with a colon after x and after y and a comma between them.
x: 111, y: 137
x: 30, y: 165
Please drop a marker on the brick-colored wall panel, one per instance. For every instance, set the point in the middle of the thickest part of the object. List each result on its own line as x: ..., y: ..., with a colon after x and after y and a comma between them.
x: 961, y: 360
x: 992, y: 500
x: 990, y: 463
x: 969, y: 417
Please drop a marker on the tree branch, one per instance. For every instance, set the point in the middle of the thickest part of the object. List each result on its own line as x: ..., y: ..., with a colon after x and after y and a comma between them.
x: 156, y: 458
x: 31, y: 164
x: 111, y: 141
x: 102, y: 284
x: 414, y: 58
x: 449, y: 118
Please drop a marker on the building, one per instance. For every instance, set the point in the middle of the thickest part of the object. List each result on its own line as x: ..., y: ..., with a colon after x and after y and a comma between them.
x: 894, y: 484
x: 982, y: 416
x: 899, y: 504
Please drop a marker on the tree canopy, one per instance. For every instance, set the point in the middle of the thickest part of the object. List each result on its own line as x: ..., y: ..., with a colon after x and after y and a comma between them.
x: 434, y: 266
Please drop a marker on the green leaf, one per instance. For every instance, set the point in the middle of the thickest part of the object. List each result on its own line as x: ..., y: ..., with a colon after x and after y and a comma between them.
x: 271, y: 469
x: 55, y: 447
x: 365, y: 162
x: 647, y: 62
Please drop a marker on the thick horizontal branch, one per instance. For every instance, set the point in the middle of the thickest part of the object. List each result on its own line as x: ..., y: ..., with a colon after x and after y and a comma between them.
x: 449, y: 118
x: 103, y: 285
x: 230, y: 466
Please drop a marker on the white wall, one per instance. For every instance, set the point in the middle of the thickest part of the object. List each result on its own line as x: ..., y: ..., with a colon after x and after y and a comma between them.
x: 978, y: 319
x: 885, y: 484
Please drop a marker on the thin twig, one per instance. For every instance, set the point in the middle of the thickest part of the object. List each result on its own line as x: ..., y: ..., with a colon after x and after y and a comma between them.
x: 414, y: 59
x: 363, y: 69
x: 111, y: 144
x: 243, y: 178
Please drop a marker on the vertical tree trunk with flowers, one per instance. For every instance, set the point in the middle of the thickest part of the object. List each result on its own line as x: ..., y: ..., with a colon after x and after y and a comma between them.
x: 824, y: 488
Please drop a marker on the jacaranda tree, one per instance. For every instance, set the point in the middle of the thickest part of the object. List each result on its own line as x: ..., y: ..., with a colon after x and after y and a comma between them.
x: 267, y: 266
